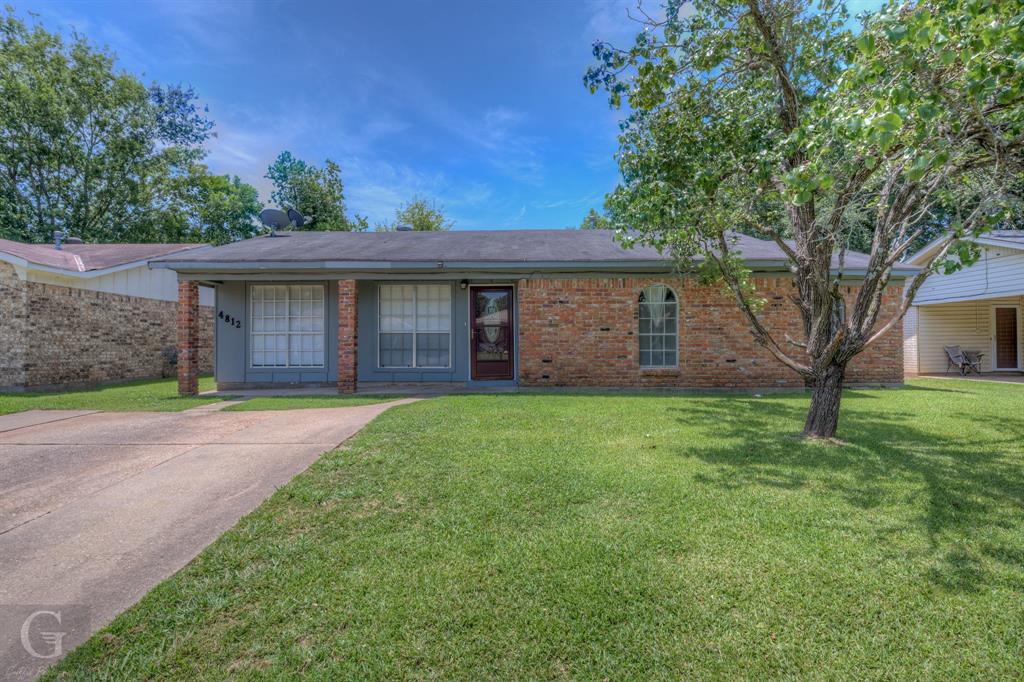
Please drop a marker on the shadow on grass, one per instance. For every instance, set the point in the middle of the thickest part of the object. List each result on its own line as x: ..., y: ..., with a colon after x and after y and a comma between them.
x: 890, y: 458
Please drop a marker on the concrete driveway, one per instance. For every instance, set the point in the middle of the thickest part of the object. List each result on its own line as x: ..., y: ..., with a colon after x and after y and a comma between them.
x: 98, y: 507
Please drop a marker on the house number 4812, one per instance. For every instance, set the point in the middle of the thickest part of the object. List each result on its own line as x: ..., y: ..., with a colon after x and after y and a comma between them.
x: 232, y: 321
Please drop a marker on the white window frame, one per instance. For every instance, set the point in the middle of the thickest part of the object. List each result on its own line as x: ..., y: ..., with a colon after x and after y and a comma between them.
x: 415, y: 320
x: 675, y: 333
x: 288, y: 332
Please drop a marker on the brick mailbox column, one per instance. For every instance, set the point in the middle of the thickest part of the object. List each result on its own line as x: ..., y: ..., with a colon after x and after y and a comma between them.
x: 348, y: 318
x: 188, y: 338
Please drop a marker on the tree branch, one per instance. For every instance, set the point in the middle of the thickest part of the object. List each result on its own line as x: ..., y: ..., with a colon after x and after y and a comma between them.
x: 911, y: 291
x: 761, y: 334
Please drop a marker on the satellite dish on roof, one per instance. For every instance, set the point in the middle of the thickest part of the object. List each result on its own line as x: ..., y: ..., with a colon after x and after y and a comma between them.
x: 275, y: 219
x: 296, y: 217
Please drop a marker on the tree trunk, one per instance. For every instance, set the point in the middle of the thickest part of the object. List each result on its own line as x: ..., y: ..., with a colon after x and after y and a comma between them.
x: 823, y: 416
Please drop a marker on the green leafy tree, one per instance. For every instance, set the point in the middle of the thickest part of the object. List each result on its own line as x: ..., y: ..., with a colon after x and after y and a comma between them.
x: 201, y: 207
x: 595, y: 221
x: 316, y: 193
x: 83, y: 148
x: 421, y: 214
x: 770, y: 117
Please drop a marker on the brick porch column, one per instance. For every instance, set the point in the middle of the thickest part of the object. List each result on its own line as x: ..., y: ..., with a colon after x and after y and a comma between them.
x: 188, y: 338
x: 348, y: 318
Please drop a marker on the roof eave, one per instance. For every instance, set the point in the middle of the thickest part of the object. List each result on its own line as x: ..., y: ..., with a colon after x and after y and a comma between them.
x: 440, y: 267
x: 77, y: 274
x: 406, y: 266
x: 925, y: 254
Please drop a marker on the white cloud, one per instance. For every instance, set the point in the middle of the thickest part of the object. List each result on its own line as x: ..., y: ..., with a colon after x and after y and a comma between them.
x: 586, y: 200
x: 376, y: 188
x: 610, y: 21
x: 216, y: 29
x: 619, y: 21
x: 516, y: 219
x: 495, y: 132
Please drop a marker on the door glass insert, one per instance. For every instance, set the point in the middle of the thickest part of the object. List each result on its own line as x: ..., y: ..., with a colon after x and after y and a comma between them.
x: 492, y: 333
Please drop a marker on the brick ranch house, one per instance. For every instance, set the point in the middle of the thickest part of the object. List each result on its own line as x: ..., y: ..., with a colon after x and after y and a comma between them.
x: 87, y: 314
x: 532, y: 308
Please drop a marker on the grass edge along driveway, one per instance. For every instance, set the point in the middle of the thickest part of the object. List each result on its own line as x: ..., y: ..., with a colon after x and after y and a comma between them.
x: 561, y: 536
x: 161, y: 395
x: 146, y: 395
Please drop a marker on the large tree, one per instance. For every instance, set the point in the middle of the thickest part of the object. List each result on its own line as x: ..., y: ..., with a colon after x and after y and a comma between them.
x: 198, y: 206
x: 421, y: 214
x: 316, y: 193
x: 772, y: 118
x: 85, y: 148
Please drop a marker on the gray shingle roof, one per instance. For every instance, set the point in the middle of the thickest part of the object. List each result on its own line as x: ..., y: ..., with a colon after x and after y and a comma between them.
x: 86, y: 257
x: 484, y: 247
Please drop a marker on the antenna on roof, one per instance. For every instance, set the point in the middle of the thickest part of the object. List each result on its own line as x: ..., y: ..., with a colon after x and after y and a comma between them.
x: 296, y: 218
x: 275, y: 219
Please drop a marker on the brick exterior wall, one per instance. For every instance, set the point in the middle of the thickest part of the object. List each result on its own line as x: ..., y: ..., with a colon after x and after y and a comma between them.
x: 584, y: 332
x: 13, y: 321
x: 348, y: 322
x: 62, y: 337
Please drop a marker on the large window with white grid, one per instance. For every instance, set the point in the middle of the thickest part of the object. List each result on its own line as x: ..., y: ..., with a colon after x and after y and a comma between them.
x: 286, y: 325
x: 414, y: 325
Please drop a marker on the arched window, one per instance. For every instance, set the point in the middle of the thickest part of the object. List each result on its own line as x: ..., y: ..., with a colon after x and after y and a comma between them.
x: 659, y: 327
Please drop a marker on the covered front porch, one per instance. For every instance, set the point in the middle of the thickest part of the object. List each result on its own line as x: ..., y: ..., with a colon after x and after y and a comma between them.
x: 394, y: 336
x: 993, y: 327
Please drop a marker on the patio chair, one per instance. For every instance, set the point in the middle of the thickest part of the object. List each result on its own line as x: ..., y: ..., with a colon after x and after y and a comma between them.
x: 964, y: 361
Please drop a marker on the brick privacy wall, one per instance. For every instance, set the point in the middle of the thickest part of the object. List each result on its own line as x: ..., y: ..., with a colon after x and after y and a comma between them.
x: 348, y: 323
x: 78, y: 337
x: 13, y: 316
x: 584, y: 332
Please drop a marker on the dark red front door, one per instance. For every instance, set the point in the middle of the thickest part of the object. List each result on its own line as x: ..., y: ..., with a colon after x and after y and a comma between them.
x: 1006, y: 338
x: 490, y: 341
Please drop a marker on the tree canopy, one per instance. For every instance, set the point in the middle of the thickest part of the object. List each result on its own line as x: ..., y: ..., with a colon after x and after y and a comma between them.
x: 773, y: 118
x: 596, y: 221
x: 216, y: 209
x: 317, y: 193
x: 421, y: 214
x: 93, y: 151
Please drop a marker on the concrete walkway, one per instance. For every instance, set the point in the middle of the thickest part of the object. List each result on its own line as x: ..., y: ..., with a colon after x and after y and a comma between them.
x: 405, y: 390
x: 98, y: 507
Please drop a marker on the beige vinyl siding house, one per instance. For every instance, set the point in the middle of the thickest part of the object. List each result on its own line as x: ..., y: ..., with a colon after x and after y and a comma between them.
x: 979, y: 308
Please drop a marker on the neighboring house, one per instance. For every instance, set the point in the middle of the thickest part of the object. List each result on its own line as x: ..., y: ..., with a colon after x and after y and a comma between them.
x: 88, y: 314
x: 978, y: 308
x: 529, y: 307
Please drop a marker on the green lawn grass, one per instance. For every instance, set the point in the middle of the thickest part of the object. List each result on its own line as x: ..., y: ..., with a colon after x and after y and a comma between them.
x: 303, y: 402
x: 159, y: 395
x: 609, y: 537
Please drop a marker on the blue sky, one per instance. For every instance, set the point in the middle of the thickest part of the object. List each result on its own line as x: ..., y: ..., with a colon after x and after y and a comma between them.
x: 478, y: 105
